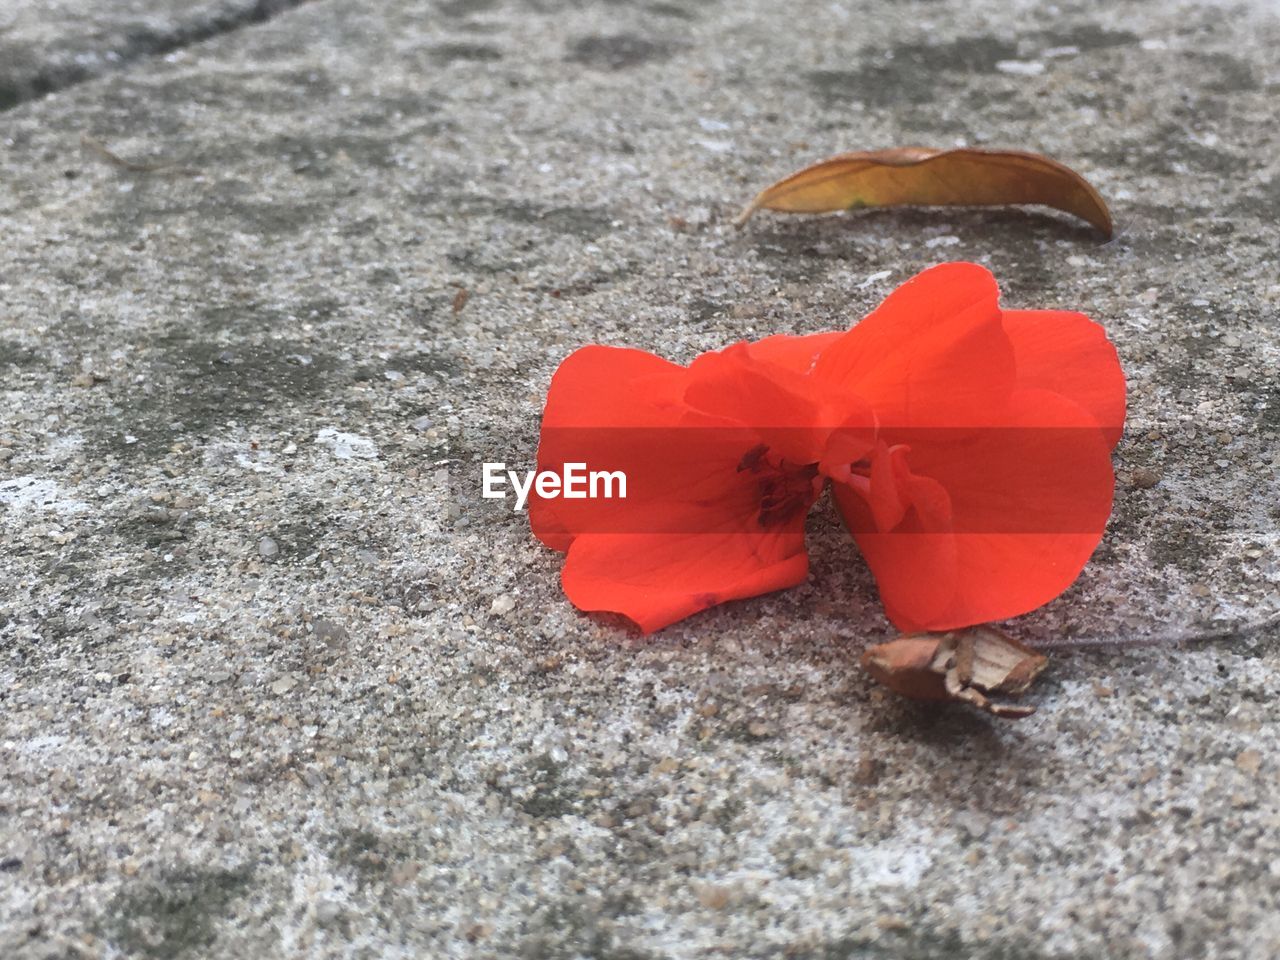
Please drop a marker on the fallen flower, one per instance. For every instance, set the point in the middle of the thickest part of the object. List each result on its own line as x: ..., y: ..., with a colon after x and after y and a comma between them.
x: 968, y: 449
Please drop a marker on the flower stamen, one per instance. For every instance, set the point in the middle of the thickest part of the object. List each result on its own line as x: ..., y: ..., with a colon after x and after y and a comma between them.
x: 786, y: 489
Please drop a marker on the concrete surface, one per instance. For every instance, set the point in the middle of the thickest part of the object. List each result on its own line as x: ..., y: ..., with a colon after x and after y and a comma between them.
x: 275, y: 682
x: 46, y: 45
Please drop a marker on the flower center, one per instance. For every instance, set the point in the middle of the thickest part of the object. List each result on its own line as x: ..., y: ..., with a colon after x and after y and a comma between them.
x: 786, y: 489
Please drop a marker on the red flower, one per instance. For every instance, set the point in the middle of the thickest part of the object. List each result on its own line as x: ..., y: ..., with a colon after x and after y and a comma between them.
x: 968, y: 450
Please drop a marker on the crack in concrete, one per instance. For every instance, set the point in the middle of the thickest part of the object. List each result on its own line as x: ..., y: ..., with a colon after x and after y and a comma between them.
x: 143, y: 44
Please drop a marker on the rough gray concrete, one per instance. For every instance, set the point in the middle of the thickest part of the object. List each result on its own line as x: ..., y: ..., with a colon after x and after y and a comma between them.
x: 275, y: 683
x: 47, y: 45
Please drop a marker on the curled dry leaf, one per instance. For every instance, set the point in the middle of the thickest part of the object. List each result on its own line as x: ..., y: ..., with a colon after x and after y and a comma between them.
x: 963, y: 665
x: 924, y: 176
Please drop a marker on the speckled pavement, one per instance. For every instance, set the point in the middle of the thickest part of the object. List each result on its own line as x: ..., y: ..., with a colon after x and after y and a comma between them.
x: 275, y: 682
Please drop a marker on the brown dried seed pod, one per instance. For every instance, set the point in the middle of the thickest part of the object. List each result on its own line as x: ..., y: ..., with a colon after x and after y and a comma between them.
x: 963, y: 665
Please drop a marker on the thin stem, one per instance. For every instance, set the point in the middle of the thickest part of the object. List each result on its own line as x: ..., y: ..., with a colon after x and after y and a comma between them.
x: 1236, y: 631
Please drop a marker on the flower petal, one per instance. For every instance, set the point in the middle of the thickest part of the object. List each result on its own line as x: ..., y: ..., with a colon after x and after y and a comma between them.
x: 656, y: 579
x: 933, y: 353
x: 1028, y: 504
x: 1069, y: 354
x: 614, y: 387
x: 692, y: 530
x: 600, y: 398
x: 784, y: 406
x: 796, y: 354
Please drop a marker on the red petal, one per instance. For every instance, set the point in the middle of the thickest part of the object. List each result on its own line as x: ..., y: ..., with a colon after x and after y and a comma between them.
x: 656, y: 579
x: 597, y: 395
x: 1069, y: 354
x: 933, y: 353
x: 888, y: 494
x: 1029, y: 501
x: 796, y: 354
x: 614, y: 387
x: 691, y: 532
x: 779, y: 403
x: 734, y: 385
